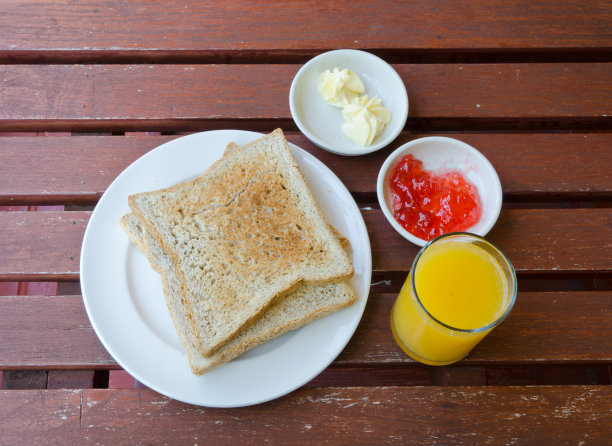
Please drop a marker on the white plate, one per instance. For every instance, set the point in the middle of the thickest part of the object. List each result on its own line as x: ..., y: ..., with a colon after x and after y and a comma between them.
x: 125, y: 304
x: 322, y: 123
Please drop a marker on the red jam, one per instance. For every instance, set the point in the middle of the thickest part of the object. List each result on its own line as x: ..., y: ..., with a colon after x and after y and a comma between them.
x: 429, y: 205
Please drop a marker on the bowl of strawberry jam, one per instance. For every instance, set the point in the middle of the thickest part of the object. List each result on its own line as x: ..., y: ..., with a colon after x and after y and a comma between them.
x: 437, y: 185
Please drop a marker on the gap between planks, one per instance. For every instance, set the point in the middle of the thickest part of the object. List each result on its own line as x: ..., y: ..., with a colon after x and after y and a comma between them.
x: 227, y: 57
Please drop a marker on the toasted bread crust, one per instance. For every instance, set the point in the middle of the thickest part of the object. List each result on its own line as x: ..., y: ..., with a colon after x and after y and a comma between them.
x: 299, y: 308
x: 242, y: 236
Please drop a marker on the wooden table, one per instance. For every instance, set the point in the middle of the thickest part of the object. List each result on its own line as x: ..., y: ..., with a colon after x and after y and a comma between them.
x: 88, y: 87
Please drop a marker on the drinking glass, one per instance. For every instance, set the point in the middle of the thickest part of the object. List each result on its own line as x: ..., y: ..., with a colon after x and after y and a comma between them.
x: 459, y: 288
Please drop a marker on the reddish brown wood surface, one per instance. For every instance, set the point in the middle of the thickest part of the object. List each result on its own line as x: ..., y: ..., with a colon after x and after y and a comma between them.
x: 92, y: 96
x: 566, y: 165
x: 538, y: 71
x: 397, y: 415
x: 78, y: 169
x: 54, y: 332
x: 45, y: 246
x: 70, y: 379
x: 49, y: 240
x: 24, y: 379
x: 547, y: 240
x: 537, y: 328
x: 74, y: 169
x: 229, y: 27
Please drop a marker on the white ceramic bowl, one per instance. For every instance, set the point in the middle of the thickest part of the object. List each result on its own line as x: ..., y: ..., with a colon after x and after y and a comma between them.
x: 322, y: 122
x: 440, y: 153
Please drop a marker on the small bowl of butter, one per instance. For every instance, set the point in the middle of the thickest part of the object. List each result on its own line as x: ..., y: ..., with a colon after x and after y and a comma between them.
x: 349, y: 102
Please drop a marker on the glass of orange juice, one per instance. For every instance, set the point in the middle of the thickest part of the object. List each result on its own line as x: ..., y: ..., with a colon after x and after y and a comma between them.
x: 459, y: 288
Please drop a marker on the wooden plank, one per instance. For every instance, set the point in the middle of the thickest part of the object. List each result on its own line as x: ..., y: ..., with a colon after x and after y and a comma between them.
x: 70, y: 379
x: 78, y: 169
x: 55, y: 333
x: 50, y: 240
x: 24, y: 379
x: 92, y: 96
x: 54, y: 414
x: 574, y: 240
x: 570, y: 165
x: 535, y: 332
x: 120, y: 379
x: 49, y: 332
x: 535, y: 240
x: 45, y: 246
x: 74, y: 169
x: 524, y: 415
x: 233, y: 27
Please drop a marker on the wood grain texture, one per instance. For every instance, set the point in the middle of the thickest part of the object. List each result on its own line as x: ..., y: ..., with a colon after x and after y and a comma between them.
x: 396, y: 415
x: 78, y: 169
x: 529, y: 165
x: 70, y: 379
x: 24, y: 379
x: 223, y: 28
x: 51, y: 332
x: 45, y: 246
x: 74, y: 169
x: 55, y: 333
x: 546, y: 240
x: 70, y: 97
x: 49, y: 240
x: 535, y: 332
x: 137, y: 65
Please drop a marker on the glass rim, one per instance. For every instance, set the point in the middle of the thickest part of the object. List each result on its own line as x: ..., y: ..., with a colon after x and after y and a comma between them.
x: 450, y: 327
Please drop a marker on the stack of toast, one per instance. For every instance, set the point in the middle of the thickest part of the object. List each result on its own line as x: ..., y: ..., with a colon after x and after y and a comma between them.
x: 243, y: 251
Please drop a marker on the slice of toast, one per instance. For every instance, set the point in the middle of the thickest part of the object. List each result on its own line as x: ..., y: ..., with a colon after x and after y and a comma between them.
x: 232, y: 147
x: 307, y: 303
x: 241, y: 236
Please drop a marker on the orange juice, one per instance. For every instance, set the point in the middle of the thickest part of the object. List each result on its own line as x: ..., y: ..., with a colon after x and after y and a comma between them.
x: 459, y: 288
